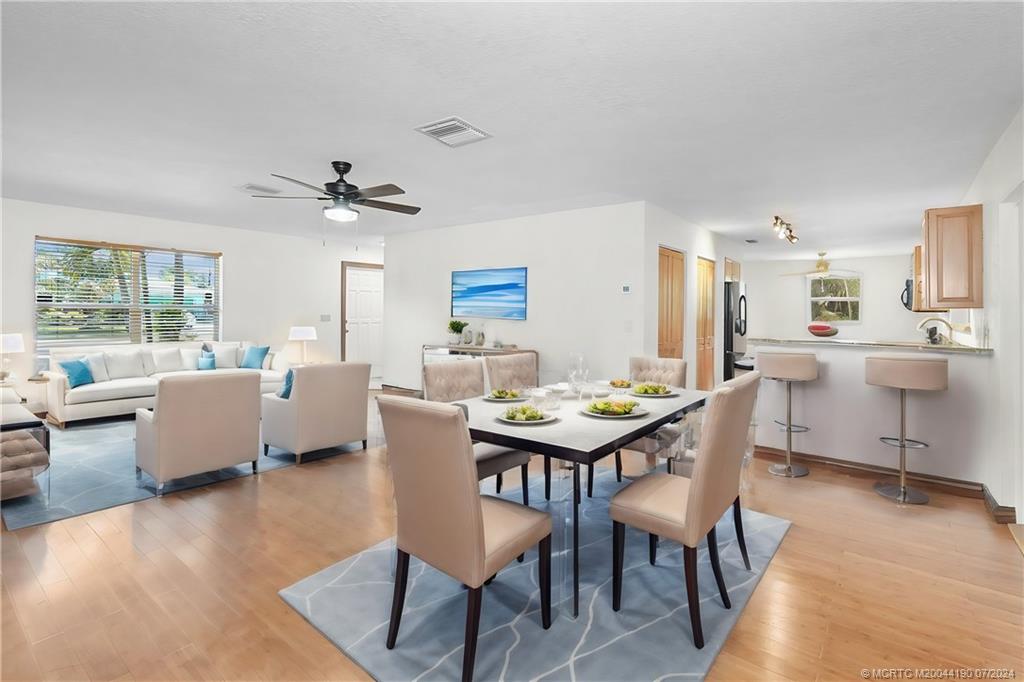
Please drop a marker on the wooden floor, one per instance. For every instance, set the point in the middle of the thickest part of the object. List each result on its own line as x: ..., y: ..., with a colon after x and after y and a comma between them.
x: 185, y: 587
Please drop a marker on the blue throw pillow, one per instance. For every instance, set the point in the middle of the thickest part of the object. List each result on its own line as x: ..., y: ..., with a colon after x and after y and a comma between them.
x: 254, y: 356
x: 286, y: 388
x: 206, y: 363
x: 78, y: 372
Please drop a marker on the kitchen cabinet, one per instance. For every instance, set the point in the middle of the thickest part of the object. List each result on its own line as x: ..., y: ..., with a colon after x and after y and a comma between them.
x: 951, y: 258
x: 918, y: 300
x: 732, y: 271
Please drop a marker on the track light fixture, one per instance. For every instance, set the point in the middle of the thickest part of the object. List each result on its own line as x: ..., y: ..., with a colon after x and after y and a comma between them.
x: 784, y: 230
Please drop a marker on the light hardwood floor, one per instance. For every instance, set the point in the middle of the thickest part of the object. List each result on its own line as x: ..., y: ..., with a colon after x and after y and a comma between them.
x: 185, y: 587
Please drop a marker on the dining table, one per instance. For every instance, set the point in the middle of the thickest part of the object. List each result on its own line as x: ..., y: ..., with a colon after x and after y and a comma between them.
x: 577, y: 438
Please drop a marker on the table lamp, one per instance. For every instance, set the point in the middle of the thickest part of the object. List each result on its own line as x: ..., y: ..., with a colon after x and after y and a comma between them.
x: 10, y: 343
x: 302, y: 334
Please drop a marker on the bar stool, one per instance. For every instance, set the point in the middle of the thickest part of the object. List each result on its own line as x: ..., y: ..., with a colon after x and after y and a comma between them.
x: 905, y: 372
x: 788, y: 367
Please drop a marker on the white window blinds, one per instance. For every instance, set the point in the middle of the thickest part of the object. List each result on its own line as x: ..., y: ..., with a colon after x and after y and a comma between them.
x: 97, y: 293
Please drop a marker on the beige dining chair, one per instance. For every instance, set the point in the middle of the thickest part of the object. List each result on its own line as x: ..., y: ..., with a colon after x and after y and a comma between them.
x: 517, y: 371
x: 446, y: 382
x: 686, y: 510
x: 642, y: 369
x: 442, y: 518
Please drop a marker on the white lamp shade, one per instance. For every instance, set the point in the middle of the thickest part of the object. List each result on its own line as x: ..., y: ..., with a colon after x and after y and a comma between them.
x: 302, y: 334
x: 12, y: 343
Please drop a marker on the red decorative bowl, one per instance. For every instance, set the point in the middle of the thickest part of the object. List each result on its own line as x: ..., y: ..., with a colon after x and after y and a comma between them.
x: 819, y: 329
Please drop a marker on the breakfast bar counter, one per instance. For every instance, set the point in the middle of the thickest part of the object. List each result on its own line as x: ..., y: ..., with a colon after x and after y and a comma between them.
x: 856, y: 343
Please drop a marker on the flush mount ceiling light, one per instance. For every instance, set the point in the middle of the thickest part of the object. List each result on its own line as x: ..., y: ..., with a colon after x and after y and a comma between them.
x: 784, y: 230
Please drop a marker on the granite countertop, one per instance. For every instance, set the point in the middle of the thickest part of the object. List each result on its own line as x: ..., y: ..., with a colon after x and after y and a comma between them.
x: 907, y: 345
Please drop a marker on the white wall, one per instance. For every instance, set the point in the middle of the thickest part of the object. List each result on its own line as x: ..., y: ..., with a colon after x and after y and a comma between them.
x: 998, y: 187
x: 777, y: 305
x: 271, y: 281
x: 666, y: 229
x: 577, y: 262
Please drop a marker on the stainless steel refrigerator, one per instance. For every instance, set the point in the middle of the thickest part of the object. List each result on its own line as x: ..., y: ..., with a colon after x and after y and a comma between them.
x: 735, y: 336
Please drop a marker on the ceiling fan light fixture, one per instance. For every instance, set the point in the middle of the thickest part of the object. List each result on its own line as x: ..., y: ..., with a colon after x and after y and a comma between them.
x: 341, y: 212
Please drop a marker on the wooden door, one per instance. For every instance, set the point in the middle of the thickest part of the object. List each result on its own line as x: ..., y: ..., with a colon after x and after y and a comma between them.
x: 671, y: 297
x: 705, y: 324
x: 953, y: 258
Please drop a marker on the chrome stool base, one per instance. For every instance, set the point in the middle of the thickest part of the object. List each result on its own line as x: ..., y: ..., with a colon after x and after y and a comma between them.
x: 788, y: 470
x: 793, y: 428
x: 901, y: 494
x: 905, y: 443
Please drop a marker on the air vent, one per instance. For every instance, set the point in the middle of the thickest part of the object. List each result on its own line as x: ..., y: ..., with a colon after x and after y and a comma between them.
x: 253, y: 188
x: 453, y: 131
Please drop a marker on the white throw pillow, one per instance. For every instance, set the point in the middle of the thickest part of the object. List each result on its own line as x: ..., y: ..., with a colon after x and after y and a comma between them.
x: 98, y: 367
x: 168, y: 360
x: 226, y: 355
x: 268, y: 360
x: 124, y: 365
x: 190, y: 358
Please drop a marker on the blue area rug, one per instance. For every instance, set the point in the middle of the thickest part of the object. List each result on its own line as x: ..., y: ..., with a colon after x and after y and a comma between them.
x: 92, y: 467
x: 649, y: 639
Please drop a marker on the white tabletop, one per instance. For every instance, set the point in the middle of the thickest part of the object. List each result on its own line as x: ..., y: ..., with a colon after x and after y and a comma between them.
x: 575, y: 436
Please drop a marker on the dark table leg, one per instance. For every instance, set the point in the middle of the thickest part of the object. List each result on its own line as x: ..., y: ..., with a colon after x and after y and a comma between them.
x: 575, y: 540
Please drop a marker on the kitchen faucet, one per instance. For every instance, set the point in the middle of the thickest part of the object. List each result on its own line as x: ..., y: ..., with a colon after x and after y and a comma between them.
x: 933, y: 336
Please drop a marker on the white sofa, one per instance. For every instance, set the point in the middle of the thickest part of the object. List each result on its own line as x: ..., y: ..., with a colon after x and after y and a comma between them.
x: 327, y: 407
x: 135, y: 370
x: 201, y: 422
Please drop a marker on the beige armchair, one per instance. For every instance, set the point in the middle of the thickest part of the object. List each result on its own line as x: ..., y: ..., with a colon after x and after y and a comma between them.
x: 442, y: 518
x: 445, y: 382
x: 686, y: 510
x: 198, y: 424
x: 327, y: 407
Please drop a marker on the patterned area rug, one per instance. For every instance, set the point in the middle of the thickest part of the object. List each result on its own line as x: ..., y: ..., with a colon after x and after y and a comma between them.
x: 92, y: 467
x: 649, y: 639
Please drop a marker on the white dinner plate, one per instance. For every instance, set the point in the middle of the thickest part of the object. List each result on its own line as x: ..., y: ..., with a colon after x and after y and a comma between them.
x: 505, y: 400
x: 546, y: 420
x: 670, y: 394
x: 637, y: 412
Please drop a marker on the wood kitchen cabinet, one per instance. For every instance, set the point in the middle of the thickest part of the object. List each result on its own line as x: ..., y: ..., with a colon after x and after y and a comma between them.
x: 951, y: 258
x: 917, y: 302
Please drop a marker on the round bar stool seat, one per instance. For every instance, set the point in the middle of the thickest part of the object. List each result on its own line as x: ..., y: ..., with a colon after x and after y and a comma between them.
x: 788, y: 367
x: 906, y: 373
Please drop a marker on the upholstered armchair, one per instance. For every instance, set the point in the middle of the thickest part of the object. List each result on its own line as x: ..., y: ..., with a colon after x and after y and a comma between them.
x: 445, y: 382
x: 199, y: 423
x: 444, y: 521
x: 327, y: 408
x: 687, y: 509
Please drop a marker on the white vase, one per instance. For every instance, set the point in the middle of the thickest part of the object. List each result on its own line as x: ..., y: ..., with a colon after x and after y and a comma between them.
x: 454, y: 339
x: 467, y: 337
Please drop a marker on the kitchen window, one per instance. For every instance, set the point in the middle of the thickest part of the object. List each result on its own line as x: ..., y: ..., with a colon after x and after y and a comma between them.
x: 834, y: 298
x: 95, y: 293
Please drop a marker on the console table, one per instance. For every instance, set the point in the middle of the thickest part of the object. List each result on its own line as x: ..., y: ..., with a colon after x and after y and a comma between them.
x: 441, y: 353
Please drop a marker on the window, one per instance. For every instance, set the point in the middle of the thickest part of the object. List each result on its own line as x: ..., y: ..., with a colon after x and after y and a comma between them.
x: 835, y: 298
x: 98, y: 293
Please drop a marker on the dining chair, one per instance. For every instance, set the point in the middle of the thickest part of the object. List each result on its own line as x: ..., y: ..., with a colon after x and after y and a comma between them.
x: 517, y: 371
x: 444, y: 521
x: 642, y: 369
x: 446, y: 382
x: 686, y: 510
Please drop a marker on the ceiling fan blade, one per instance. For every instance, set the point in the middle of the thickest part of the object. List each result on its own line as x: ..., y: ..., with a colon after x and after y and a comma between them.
x: 277, y: 196
x: 387, y: 206
x: 376, y: 191
x: 319, y: 190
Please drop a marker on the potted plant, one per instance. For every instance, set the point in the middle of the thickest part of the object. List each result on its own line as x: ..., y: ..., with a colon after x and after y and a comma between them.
x: 455, y: 328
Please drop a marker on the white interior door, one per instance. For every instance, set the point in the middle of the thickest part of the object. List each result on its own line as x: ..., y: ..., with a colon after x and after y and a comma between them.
x: 364, y: 310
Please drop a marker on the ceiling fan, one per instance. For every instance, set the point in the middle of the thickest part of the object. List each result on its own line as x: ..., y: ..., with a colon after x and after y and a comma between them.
x: 343, y: 195
x: 821, y: 268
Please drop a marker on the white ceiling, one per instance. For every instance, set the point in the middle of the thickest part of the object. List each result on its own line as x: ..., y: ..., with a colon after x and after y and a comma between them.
x: 845, y: 119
